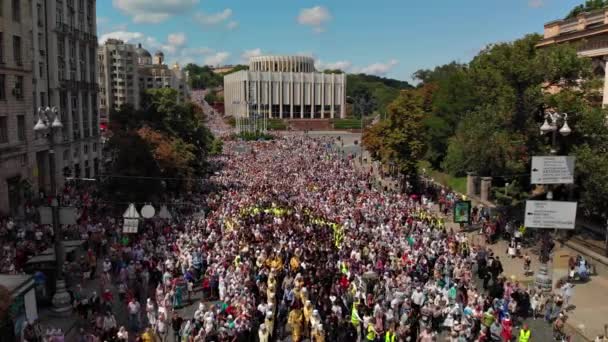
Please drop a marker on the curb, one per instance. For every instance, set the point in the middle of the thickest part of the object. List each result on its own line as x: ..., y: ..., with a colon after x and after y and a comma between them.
x: 587, y: 252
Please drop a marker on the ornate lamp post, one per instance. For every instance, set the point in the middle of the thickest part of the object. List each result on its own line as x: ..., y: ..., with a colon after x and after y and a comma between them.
x: 543, y: 278
x: 49, y: 123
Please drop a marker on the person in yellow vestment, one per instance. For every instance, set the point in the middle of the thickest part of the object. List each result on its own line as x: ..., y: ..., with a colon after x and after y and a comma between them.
x: 307, y: 315
x: 295, y: 320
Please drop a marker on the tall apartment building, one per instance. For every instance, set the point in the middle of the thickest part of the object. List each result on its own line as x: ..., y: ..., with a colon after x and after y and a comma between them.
x: 17, y: 141
x: 53, y: 66
x: 118, y: 81
x: 126, y: 71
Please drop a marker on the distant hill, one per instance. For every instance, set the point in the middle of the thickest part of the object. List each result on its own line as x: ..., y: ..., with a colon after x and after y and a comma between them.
x: 203, y: 77
x: 370, y: 93
x: 378, y: 91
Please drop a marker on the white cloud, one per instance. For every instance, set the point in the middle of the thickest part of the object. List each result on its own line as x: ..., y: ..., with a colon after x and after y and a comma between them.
x: 153, y: 11
x: 217, y: 58
x: 316, y: 17
x: 210, y: 19
x: 232, y: 25
x: 247, y: 54
x: 379, y: 69
x: 339, y: 65
x: 125, y: 36
x: 176, y: 39
x: 536, y: 3
x: 175, y: 47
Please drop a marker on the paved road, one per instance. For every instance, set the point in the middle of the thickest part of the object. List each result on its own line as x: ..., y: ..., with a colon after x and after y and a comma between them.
x: 541, y: 331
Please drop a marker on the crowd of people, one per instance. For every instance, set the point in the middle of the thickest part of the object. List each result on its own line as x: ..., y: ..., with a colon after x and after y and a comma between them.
x: 296, y: 244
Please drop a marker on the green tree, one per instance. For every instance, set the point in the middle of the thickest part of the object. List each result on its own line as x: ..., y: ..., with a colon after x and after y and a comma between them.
x: 588, y: 6
x: 203, y: 77
x: 173, y: 134
x: 590, y: 146
x: 508, y: 87
x: 400, y: 139
x: 134, y: 173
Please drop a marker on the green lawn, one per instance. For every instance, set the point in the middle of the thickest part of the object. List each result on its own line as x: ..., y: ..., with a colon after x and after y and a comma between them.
x: 458, y: 184
x: 346, y: 123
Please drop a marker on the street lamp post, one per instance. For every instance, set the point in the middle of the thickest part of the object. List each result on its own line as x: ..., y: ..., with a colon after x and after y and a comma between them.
x: 49, y: 123
x: 543, y: 278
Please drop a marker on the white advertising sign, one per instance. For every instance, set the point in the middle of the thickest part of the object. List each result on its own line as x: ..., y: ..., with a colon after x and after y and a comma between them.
x: 550, y: 214
x: 130, y: 225
x: 552, y: 170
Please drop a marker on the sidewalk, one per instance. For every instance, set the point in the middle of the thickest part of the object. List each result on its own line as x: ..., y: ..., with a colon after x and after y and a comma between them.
x: 590, y: 300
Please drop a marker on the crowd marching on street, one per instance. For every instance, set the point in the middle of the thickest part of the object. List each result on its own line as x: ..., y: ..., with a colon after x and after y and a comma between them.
x: 296, y: 245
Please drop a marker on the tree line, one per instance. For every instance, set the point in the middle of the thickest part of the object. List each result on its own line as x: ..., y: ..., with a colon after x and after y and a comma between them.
x: 485, y: 116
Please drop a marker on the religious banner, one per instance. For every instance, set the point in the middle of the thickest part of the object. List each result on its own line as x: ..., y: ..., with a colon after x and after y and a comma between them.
x: 462, y: 212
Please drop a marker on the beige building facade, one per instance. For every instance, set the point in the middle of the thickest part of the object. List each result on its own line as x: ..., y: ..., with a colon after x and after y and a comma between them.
x: 58, y: 51
x: 18, y: 144
x: 589, y: 33
x: 286, y: 87
x: 126, y: 71
x: 118, y: 77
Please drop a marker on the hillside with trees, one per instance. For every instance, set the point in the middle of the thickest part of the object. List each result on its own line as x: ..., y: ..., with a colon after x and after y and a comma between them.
x: 203, y: 77
x: 484, y: 116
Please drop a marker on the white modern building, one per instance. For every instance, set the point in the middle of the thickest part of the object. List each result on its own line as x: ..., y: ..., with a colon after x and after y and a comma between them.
x: 286, y: 87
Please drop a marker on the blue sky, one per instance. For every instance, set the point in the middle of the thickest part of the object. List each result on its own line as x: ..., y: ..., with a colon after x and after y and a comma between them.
x: 390, y: 38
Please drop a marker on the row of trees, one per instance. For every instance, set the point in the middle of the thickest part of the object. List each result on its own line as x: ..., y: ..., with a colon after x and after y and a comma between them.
x: 161, y: 147
x: 484, y: 116
x: 203, y: 77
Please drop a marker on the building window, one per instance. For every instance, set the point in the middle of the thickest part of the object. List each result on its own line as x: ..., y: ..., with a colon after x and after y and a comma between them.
x: 59, y: 17
x: 1, y: 47
x: 60, y: 46
x: 3, y: 129
x: 17, y: 50
x: 18, y: 90
x: 2, y: 87
x: 17, y: 10
x: 41, y: 70
x: 21, y: 127
x: 40, y: 14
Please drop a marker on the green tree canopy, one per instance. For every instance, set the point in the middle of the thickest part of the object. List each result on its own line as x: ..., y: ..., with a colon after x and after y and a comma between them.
x: 588, y: 6
x: 400, y: 139
x: 173, y: 134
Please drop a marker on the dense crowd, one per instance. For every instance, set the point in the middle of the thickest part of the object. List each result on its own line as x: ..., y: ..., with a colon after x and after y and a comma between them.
x: 297, y: 243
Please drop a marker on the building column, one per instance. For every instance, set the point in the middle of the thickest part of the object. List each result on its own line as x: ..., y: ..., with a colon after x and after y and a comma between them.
x: 486, y: 186
x: 333, y: 94
x: 302, y: 99
x: 605, y: 97
x: 281, y: 92
x: 291, y: 87
x: 322, y: 87
x: 471, y: 180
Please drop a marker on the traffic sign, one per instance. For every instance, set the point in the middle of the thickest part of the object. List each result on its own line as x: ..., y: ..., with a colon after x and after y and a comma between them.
x: 552, y: 170
x: 550, y: 214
